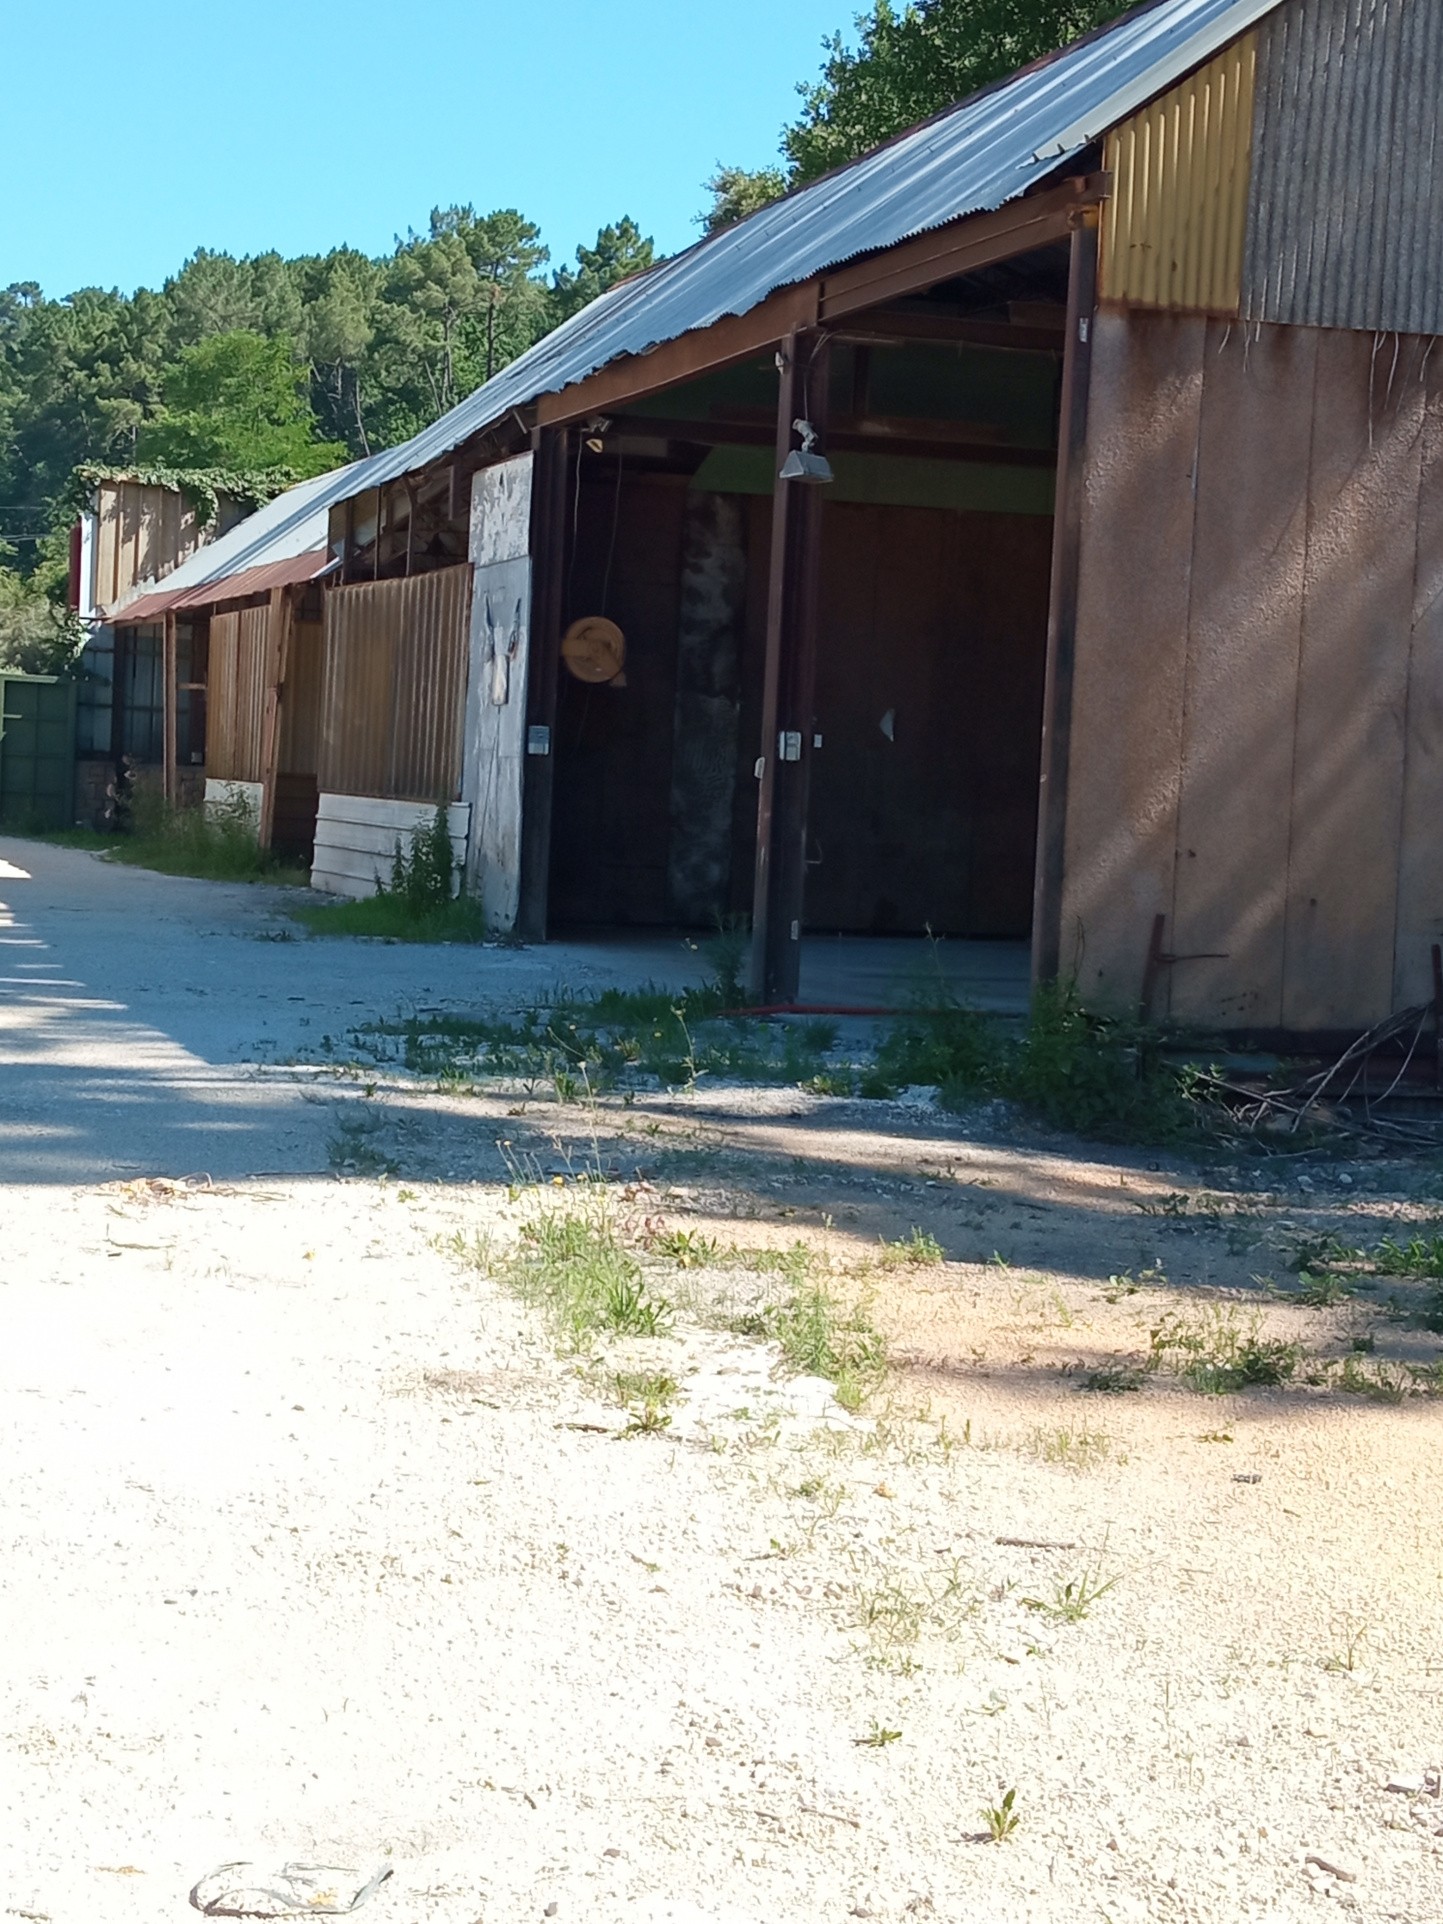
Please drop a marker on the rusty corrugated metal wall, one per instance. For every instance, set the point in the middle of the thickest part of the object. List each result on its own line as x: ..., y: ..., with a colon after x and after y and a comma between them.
x: 1257, y: 728
x: 1346, y: 218
x: 393, y: 688
x: 1173, y: 227
x: 141, y: 534
x: 236, y: 694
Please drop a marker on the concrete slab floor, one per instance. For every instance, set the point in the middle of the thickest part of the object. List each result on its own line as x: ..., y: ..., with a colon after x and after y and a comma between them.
x: 147, y: 1021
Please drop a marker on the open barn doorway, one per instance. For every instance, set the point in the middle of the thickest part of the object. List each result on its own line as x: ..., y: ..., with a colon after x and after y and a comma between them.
x: 933, y: 589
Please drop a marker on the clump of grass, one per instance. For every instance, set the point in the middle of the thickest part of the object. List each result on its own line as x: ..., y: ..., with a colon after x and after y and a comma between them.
x: 1217, y: 1352
x: 1072, y: 1601
x: 1077, y: 1070
x: 916, y: 1250
x: 687, y: 1248
x: 646, y: 1396
x: 819, y: 1336
x: 895, y: 1610
x: 1080, y: 1449
x: 215, y: 842
x: 573, y: 1266
x: 390, y: 918
x: 1376, y: 1381
x: 1321, y: 1292
x: 1113, y: 1379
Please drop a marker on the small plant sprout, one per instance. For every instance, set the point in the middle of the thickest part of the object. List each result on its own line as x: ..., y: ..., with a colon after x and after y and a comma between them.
x: 917, y: 1250
x: 878, y: 1737
x: 1001, y: 1818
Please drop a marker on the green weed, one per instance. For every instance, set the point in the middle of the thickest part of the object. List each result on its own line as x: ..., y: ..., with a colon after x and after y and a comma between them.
x: 571, y: 1264
x: 1080, y: 1449
x: 1113, y: 1379
x: 878, y: 1737
x: 1071, y: 1602
x: 916, y: 1250
x: 1217, y: 1351
x: 1001, y: 1819
x: 646, y: 1396
x: 818, y: 1336
x: 216, y: 842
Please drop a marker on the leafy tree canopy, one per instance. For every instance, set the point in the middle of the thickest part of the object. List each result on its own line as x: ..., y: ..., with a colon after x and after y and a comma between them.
x: 735, y: 193
x: 237, y: 400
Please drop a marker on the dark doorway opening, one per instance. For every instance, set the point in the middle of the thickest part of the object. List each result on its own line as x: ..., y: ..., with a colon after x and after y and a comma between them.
x: 933, y: 608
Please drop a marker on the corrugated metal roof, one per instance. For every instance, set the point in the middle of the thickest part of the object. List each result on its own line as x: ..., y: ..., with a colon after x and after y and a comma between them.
x: 972, y: 159
x: 295, y: 523
x: 250, y: 581
x: 1348, y: 168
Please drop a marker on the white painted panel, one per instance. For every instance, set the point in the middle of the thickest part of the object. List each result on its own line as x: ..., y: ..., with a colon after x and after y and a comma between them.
x: 356, y: 837
x: 369, y: 811
x: 226, y: 795
x: 493, y: 762
x: 501, y: 512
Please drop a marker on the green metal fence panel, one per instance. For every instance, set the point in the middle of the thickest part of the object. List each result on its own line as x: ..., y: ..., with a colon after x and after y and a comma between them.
x: 37, y: 752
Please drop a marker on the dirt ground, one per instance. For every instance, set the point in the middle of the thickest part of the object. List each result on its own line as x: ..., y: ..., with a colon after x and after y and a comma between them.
x: 321, y: 1548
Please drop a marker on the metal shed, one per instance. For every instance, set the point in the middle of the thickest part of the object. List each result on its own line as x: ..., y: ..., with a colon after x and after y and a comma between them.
x: 1115, y: 632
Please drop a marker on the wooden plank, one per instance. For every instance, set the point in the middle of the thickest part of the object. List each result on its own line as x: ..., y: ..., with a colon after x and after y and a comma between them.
x: 735, y: 337
x: 543, y: 648
x: 961, y: 247
x: 1353, y: 679
x: 362, y: 812
x: 781, y: 563
x: 1062, y: 618
x: 789, y: 691
x: 279, y: 612
x: 1240, y: 693
x: 1135, y: 564
x: 1420, y: 896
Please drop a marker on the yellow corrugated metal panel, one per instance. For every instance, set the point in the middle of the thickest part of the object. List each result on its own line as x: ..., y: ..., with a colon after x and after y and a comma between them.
x: 1176, y: 220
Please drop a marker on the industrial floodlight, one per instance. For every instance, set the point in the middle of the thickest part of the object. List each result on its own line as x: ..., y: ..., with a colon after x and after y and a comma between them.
x: 804, y: 463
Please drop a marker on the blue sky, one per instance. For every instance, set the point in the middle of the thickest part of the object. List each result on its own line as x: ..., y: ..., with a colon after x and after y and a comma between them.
x: 138, y: 133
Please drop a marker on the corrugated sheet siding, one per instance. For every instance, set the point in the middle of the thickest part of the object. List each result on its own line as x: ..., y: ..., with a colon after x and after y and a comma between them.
x: 236, y: 695
x: 1173, y: 228
x: 393, y: 687
x: 1345, y: 226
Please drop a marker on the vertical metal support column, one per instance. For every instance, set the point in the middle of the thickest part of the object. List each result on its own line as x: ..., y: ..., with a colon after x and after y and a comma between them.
x: 1062, y: 611
x: 789, y: 683
x: 278, y: 648
x: 170, y: 701
x: 548, y: 595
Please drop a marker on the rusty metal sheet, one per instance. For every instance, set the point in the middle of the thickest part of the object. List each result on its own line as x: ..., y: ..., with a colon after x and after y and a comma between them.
x: 393, y: 687
x: 235, y: 694
x: 1244, y: 634
x: 1420, y: 867
x: 290, y: 572
x: 1352, y: 686
x: 1124, y: 771
x: 1173, y: 226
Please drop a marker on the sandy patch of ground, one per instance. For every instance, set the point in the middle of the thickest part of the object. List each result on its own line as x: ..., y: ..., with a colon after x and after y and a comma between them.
x: 321, y: 1551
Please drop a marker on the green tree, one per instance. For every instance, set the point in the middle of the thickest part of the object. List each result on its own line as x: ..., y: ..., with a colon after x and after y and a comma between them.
x: 735, y: 193
x: 236, y: 400
x: 621, y: 250
x: 912, y: 62
x: 38, y: 635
